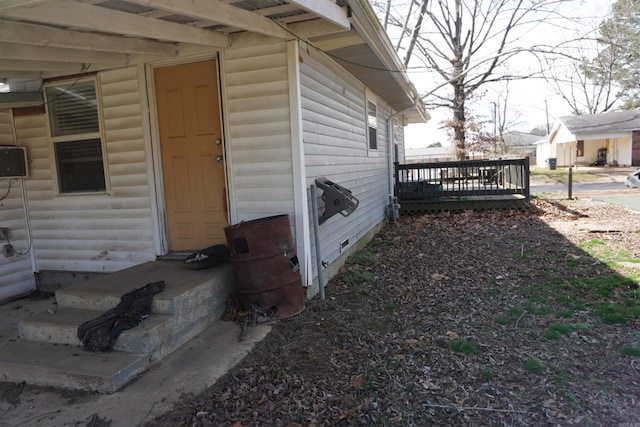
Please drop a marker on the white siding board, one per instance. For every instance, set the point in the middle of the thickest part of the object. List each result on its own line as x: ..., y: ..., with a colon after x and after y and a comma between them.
x: 16, y: 273
x: 99, y: 232
x: 258, y: 104
x: 267, y: 116
x: 258, y: 90
x: 255, y: 170
x: 273, y: 129
x: 335, y: 139
x: 258, y: 147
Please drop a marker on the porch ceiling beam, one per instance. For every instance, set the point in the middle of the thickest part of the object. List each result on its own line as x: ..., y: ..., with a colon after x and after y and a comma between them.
x: 339, y: 42
x: 19, y: 74
x: 9, y: 51
x: 223, y: 13
x: 44, y: 66
x: 314, y: 28
x: 9, y: 5
x: 30, y: 34
x: 327, y: 10
x: 95, y: 18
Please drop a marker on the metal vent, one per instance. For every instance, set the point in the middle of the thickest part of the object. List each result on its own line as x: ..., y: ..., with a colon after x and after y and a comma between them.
x: 13, y: 162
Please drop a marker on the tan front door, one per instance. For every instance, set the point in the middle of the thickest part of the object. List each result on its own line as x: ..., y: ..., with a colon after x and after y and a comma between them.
x: 192, y: 162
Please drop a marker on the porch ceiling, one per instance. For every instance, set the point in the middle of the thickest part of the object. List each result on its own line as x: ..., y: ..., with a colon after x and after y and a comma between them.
x: 42, y: 39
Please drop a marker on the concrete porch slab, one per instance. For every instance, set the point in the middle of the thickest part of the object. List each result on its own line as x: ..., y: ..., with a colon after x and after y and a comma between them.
x: 197, y: 364
x: 69, y: 366
x: 47, y: 352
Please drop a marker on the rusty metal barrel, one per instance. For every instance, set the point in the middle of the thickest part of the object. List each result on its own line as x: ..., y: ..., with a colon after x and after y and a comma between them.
x: 266, y: 265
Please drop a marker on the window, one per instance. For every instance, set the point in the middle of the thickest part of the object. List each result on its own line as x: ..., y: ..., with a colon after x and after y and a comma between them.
x: 580, y: 149
x: 75, y: 132
x: 372, y: 125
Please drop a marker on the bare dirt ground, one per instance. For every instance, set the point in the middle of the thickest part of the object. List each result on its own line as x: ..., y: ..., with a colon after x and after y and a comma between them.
x: 493, y: 318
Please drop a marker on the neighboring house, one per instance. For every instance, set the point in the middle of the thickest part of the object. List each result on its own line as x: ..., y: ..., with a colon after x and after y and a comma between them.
x: 611, y: 139
x: 149, y: 126
x: 521, y: 144
x: 543, y: 153
x: 429, y: 154
x: 436, y: 154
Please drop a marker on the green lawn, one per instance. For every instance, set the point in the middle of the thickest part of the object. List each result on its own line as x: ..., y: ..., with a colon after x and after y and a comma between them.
x: 561, y: 175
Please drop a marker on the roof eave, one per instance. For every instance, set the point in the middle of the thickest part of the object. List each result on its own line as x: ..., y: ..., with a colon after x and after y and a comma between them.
x: 365, y: 22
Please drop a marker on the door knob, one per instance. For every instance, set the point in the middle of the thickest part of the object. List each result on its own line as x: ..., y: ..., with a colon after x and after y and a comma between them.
x: 219, y: 158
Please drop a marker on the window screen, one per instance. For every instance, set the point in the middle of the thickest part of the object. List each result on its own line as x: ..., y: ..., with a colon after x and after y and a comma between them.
x: 80, y: 166
x: 372, y: 123
x: 75, y: 132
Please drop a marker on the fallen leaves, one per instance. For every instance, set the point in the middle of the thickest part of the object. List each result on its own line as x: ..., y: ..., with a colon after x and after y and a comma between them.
x: 349, y: 361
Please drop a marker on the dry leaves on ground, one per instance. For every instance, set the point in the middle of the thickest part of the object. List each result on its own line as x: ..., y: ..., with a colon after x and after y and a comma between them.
x: 484, y: 318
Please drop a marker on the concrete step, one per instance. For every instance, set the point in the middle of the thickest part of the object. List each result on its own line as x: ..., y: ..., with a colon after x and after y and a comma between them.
x: 61, y: 327
x: 182, y: 284
x: 67, y: 366
x: 190, y: 301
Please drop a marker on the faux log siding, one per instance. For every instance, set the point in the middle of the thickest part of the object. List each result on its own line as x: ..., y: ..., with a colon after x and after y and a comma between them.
x: 257, y: 105
x: 97, y: 233
x: 16, y: 275
x: 335, y: 146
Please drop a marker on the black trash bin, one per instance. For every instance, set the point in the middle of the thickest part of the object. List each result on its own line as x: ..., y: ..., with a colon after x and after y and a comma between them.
x: 551, y: 163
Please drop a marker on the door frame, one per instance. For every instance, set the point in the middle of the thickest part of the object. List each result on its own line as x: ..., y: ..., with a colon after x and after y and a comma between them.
x: 158, y: 197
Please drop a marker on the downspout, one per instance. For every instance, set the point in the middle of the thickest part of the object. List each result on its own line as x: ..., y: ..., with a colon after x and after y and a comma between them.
x: 394, y: 207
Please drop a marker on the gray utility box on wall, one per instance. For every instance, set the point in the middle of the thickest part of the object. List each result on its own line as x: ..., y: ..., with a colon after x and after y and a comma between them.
x: 13, y: 162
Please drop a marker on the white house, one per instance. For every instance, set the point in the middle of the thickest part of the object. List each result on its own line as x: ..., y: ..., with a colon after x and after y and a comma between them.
x: 149, y: 126
x: 597, y: 139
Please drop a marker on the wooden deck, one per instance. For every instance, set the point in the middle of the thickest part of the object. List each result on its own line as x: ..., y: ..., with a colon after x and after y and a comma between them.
x: 462, y: 185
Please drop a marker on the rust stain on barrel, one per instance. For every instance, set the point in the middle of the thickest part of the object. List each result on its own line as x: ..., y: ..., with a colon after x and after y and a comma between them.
x: 265, y: 264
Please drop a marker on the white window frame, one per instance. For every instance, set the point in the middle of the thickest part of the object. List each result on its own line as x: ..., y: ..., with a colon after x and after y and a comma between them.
x: 75, y: 137
x: 371, y: 122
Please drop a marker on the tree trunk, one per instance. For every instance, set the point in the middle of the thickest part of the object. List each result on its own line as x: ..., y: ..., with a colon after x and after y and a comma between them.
x: 459, y: 117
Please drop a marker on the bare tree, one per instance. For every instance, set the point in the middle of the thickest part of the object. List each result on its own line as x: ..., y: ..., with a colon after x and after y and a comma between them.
x: 582, y: 73
x: 466, y: 43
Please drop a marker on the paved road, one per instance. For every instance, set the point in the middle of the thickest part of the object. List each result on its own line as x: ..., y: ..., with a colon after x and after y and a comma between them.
x: 608, y: 188
x: 631, y: 201
x: 590, y: 187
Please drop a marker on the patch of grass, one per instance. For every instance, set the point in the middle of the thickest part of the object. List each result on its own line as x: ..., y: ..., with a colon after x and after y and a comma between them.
x: 542, y: 311
x: 560, y: 327
x: 465, y: 347
x: 555, y: 330
x: 561, y: 175
x: 501, y: 320
x: 390, y: 306
x: 515, y: 312
x: 551, y: 335
x: 486, y: 375
x: 570, y: 396
x: 591, y: 243
x: 356, y: 276
x: 580, y: 327
x: 565, y: 314
x: 630, y: 350
x: 533, y: 365
x: 363, y: 257
x: 561, y: 377
x: 612, y: 297
x: 615, y: 313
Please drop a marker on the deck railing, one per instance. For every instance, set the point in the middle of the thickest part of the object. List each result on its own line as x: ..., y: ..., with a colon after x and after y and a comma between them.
x: 461, y: 179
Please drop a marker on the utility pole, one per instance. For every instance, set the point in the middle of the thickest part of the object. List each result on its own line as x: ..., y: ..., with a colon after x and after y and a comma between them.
x: 546, y: 110
x: 495, y: 130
